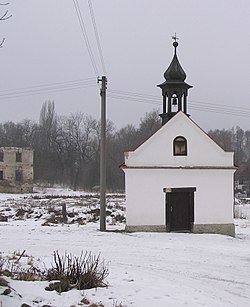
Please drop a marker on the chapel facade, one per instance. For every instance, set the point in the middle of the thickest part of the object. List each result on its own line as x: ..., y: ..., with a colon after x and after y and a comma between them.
x: 179, y: 179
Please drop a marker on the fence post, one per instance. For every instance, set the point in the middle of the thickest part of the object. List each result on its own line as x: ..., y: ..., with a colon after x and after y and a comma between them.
x: 64, y: 213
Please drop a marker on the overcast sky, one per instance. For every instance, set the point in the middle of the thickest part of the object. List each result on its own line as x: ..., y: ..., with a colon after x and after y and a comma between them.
x: 45, y: 50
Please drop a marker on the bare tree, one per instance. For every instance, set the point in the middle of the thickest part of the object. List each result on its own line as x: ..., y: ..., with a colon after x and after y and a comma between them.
x: 247, y: 144
x: 149, y: 124
x: 3, y: 17
x: 83, y: 137
x: 224, y: 138
x: 45, y: 155
x: 48, y: 123
x: 239, y: 142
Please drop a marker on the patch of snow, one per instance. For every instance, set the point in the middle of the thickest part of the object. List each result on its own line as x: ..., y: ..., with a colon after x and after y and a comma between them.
x: 146, y: 269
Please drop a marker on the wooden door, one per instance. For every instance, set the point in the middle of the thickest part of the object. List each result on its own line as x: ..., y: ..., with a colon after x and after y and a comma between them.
x: 180, y: 209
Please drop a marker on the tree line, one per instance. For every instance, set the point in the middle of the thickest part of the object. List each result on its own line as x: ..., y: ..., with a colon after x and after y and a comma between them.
x: 234, y: 139
x: 238, y: 141
x: 67, y: 148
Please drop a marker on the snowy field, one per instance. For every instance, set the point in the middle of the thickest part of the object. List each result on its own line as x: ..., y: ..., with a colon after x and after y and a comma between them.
x: 145, y: 269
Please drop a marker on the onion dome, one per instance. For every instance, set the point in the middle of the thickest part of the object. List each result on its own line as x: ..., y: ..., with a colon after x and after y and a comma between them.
x: 175, y: 72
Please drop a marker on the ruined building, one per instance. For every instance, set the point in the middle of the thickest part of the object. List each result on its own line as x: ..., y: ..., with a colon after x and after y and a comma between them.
x: 16, y: 170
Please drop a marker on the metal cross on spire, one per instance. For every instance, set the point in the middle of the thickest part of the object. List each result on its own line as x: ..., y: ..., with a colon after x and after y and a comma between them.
x: 175, y: 37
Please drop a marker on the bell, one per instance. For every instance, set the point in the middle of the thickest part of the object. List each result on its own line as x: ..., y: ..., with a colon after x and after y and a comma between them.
x: 174, y: 101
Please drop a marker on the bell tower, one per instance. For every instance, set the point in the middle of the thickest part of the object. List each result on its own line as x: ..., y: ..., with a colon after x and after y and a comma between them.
x: 174, y: 89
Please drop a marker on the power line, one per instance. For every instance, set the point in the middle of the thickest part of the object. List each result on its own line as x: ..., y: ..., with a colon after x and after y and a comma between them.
x: 219, y: 105
x: 133, y: 94
x: 218, y: 111
x: 199, y: 106
x: 143, y: 100
x: 193, y: 102
x: 84, y: 33
x: 117, y: 94
x: 81, y: 81
x: 97, y: 36
x: 37, y: 90
x: 45, y: 92
x: 154, y: 97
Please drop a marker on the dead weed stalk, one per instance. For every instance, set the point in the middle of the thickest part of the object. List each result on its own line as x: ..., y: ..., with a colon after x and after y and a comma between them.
x: 84, y: 272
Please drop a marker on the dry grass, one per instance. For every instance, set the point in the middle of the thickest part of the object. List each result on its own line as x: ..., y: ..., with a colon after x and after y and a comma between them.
x: 84, y: 272
x: 11, y: 266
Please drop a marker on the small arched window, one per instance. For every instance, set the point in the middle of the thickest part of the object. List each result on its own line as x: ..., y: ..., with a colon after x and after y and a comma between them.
x: 180, y: 146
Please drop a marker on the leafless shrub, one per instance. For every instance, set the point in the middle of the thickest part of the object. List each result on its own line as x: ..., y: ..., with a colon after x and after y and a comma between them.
x: 28, y: 274
x: 84, y: 272
x: 10, y: 266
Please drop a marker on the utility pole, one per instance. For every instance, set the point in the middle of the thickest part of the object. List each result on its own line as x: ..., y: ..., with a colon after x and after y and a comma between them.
x: 103, y: 81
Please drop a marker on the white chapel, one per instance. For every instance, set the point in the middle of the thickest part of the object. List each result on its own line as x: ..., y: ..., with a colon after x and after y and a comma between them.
x: 179, y: 179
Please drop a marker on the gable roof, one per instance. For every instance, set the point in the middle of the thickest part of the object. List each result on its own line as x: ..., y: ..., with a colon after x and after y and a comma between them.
x: 157, y: 151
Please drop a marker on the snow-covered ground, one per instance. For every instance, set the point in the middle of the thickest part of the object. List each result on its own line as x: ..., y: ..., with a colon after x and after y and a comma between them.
x: 146, y: 269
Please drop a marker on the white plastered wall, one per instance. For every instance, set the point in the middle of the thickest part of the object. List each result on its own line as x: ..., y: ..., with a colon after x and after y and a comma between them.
x: 213, y: 199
